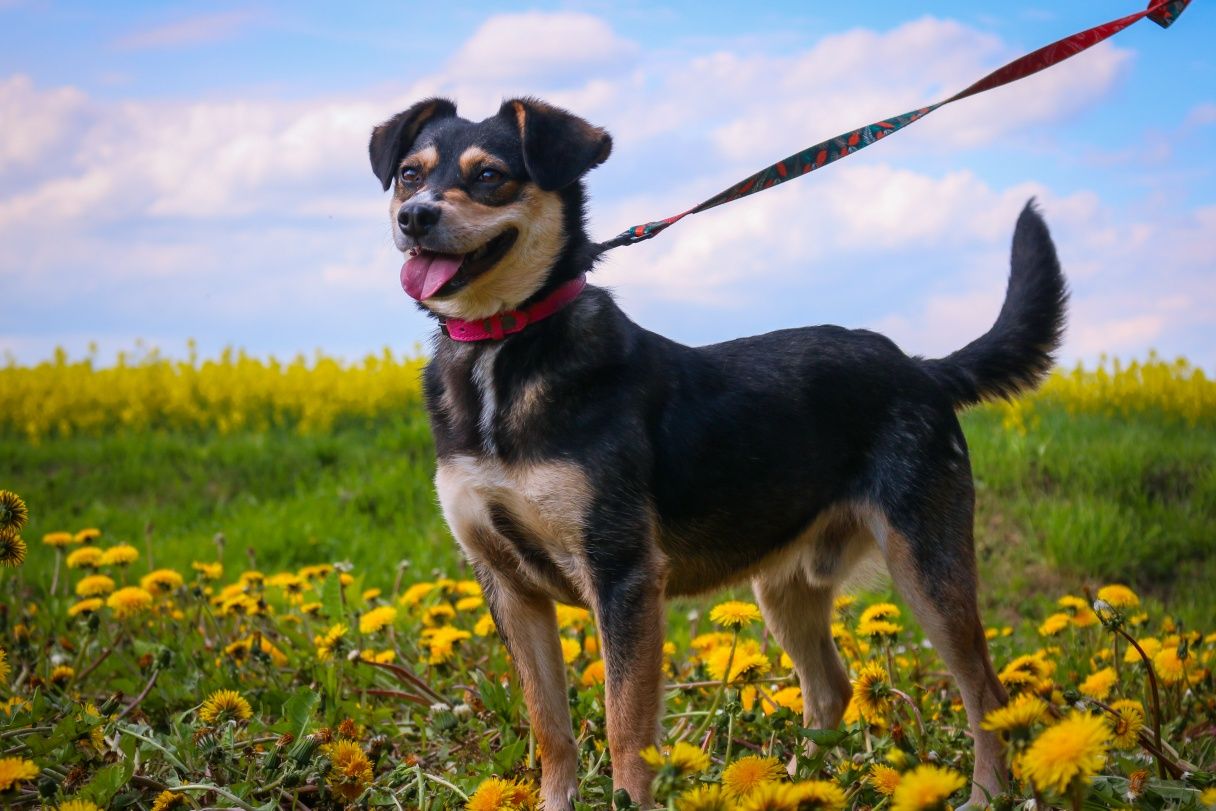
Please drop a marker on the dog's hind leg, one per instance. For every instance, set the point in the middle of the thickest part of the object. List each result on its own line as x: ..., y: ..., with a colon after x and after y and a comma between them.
x: 527, y: 623
x: 931, y: 555
x: 800, y: 616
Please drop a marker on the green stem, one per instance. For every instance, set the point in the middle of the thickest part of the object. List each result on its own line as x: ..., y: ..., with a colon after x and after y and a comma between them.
x: 709, y: 716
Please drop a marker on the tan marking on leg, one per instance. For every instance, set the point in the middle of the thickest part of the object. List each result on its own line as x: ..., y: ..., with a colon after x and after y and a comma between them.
x: 958, y: 635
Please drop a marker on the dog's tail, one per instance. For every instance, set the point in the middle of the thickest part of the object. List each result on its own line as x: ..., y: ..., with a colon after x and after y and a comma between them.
x: 1016, y: 354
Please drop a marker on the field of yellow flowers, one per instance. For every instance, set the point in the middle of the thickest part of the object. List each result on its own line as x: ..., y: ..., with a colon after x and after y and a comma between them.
x: 234, y: 591
x: 322, y: 687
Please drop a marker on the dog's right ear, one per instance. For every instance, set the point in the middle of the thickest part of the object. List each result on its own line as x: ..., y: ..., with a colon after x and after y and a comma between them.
x: 392, y: 139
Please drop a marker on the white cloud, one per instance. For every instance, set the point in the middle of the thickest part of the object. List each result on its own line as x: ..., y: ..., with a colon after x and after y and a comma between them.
x: 189, y: 31
x: 541, y: 45
x: 37, y: 122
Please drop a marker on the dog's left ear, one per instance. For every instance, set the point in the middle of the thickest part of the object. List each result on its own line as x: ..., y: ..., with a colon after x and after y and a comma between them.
x: 559, y: 147
x: 392, y: 139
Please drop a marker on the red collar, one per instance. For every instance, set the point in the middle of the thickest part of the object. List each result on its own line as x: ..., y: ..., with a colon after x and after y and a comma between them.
x: 509, y: 322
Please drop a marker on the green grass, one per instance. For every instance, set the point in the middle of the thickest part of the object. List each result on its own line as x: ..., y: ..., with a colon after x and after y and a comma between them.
x: 1078, y: 502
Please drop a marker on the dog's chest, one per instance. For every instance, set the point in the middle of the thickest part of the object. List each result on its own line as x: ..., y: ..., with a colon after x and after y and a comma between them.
x: 524, y: 517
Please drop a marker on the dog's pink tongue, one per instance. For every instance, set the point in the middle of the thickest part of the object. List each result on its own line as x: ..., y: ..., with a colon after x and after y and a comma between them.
x: 424, y: 273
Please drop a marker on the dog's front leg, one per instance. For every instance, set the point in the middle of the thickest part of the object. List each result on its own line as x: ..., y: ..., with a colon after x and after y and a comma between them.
x: 629, y: 610
x: 528, y: 625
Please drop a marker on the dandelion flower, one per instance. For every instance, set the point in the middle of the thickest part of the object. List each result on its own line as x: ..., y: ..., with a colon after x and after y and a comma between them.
x: 1151, y: 647
x: 572, y: 617
x: 467, y: 604
x: 790, y: 698
x: 1099, y: 683
x: 1054, y: 624
x: 1073, y: 749
x: 87, y: 557
x: 350, y: 771
x: 926, y: 787
x: 414, y: 594
x: 87, y: 535
x: 593, y: 674
x: 734, y: 614
x: 1018, y: 716
x: 706, y: 798
x: 330, y: 640
x: 484, y: 625
x: 570, y: 649
x: 57, y: 540
x: 62, y: 675
x: 747, y: 773
x: 683, y: 758
x: 121, y: 555
x: 12, y: 549
x: 208, y: 571
x: 878, y: 628
x: 79, y: 805
x: 14, y: 770
x: 771, y: 797
x: 1072, y: 603
x: 370, y: 594
x: 167, y: 800
x: 442, y: 642
x: 438, y: 615
x: 88, y: 606
x: 129, y: 601
x: 872, y: 691
x: 497, y: 794
x: 1208, y: 797
x: 94, y: 585
x: 1170, y: 668
x: 884, y: 779
x: 1119, y: 596
x: 1126, y: 730
x: 817, y: 794
x: 879, y: 611
x: 161, y: 581
x: 377, y: 619
x: 13, y: 512
x: 225, y: 705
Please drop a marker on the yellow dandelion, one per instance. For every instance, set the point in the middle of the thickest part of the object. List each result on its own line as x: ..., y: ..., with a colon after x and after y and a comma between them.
x: 734, y: 614
x: 1085, y: 618
x: 750, y: 772
x: 14, y: 770
x: 1208, y: 797
x: 926, y: 787
x: 1099, y: 684
x: 318, y: 571
x: 570, y: 650
x: 57, y: 540
x: 225, y: 705
x: 78, y: 805
x: 1073, y: 749
x: 377, y: 619
x: 706, y: 798
x: 1169, y: 666
x: 1072, y: 603
x: 817, y: 794
x: 94, y: 584
x: 497, y: 794
x: 414, y: 594
x: 87, y: 557
x: 208, y: 571
x: 13, y: 512
x: 884, y: 779
x: 438, y: 615
x: 87, y: 535
x: 571, y: 617
x: 442, y: 642
x: 878, y: 628
x: 89, y: 606
x: 1119, y: 596
x: 370, y: 594
x: 1150, y: 645
x: 169, y: 799
x: 62, y: 674
x: 121, y: 555
x: 706, y: 643
x: 879, y: 611
x: 1054, y: 624
x: 468, y: 604
x: 1017, y: 717
x: 12, y: 549
x: 593, y: 674
x: 129, y: 601
x: 330, y: 640
x: 484, y: 625
x: 746, y: 661
x: 682, y: 759
x: 161, y: 581
x: 790, y: 698
x: 350, y: 771
x: 872, y: 691
x: 311, y: 609
x: 1036, y: 664
x: 1125, y: 733
x: 771, y: 797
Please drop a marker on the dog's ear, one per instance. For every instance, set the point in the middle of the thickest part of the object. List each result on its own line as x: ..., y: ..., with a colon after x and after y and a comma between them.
x: 392, y: 139
x: 559, y: 147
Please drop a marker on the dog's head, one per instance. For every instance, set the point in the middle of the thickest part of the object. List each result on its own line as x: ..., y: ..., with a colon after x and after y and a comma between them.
x: 483, y: 211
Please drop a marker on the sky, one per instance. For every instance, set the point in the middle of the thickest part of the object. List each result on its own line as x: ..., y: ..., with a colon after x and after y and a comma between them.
x: 177, y: 171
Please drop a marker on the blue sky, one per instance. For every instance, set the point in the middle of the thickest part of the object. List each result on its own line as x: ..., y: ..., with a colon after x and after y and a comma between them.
x: 170, y: 171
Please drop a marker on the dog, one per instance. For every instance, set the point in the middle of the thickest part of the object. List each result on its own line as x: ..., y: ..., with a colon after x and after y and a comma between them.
x: 584, y: 459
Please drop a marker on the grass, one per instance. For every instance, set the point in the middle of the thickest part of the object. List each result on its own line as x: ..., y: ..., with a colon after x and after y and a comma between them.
x: 1078, y: 501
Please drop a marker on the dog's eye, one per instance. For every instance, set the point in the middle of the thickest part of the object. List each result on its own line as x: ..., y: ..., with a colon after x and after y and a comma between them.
x: 488, y: 175
x: 410, y: 175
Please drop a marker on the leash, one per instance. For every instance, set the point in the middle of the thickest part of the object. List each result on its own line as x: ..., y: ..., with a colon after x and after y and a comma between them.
x: 1162, y: 12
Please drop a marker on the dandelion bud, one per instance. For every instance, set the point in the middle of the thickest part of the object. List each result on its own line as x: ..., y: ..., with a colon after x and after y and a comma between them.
x: 304, y: 749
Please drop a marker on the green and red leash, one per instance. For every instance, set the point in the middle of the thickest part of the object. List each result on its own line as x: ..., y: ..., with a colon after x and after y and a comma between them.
x: 1162, y: 12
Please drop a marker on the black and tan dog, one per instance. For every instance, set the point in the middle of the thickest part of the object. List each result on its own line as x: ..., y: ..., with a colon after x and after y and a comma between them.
x: 587, y: 460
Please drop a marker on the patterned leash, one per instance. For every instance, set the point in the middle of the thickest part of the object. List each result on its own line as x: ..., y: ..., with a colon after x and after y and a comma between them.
x: 1162, y: 12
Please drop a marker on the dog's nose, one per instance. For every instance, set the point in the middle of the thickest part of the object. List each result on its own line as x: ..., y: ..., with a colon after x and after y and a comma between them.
x: 417, y: 219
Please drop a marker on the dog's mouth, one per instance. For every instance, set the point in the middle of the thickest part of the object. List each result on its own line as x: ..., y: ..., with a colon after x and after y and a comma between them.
x: 430, y: 274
